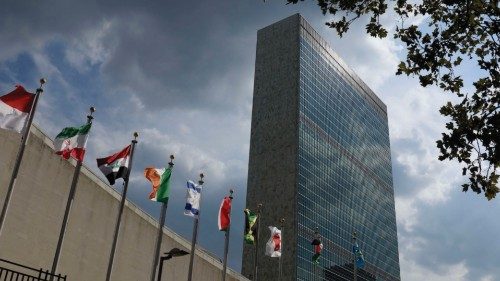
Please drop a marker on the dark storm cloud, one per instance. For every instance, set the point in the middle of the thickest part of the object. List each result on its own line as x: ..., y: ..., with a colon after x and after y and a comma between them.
x: 167, y: 53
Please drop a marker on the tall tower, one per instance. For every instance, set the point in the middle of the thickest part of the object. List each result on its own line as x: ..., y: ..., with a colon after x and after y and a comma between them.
x: 320, y: 158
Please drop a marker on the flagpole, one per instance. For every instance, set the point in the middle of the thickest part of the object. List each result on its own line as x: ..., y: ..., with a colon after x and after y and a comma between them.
x: 160, y: 231
x: 354, y: 257
x: 69, y: 202
x: 255, y: 260
x: 195, y: 236
x: 315, y: 269
x: 316, y: 235
x: 280, y: 266
x: 120, y: 211
x: 226, y: 242
x: 20, y: 154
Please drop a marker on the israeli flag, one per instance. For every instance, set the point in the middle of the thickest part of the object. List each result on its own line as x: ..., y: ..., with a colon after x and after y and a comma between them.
x: 193, y: 196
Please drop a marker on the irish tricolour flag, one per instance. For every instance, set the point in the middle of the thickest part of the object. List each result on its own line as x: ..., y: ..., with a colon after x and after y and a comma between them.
x: 71, y: 141
x: 160, y: 178
x: 15, y: 108
x: 116, y: 165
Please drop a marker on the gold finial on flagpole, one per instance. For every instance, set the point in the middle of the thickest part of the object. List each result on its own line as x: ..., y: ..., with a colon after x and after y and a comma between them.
x: 171, y: 163
x: 42, y: 81
x: 90, y: 117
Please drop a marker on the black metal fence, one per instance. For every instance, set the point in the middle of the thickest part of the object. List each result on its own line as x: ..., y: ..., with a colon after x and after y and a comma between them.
x: 11, y: 271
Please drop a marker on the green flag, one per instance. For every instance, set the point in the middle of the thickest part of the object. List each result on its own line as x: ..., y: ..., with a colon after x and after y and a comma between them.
x: 250, y: 235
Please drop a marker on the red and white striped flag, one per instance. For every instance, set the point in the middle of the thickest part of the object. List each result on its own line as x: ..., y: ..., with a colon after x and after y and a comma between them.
x: 225, y: 214
x: 15, y: 108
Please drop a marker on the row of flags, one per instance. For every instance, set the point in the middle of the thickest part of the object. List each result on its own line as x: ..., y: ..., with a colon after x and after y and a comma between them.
x: 273, y: 246
x: 160, y: 181
x: 116, y: 166
x: 15, y: 109
x: 16, y: 113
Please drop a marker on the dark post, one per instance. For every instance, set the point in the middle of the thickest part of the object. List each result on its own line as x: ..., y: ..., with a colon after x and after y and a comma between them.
x: 195, y: 236
x: 354, y: 259
x: 20, y: 154
x: 120, y: 210
x: 316, y: 235
x: 282, y: 224
x: 69, y: 202
x: 160, y: 268
x: 226, y: 242
x: 255, y: 259
x: 160, y: 230
x: 174, y: 252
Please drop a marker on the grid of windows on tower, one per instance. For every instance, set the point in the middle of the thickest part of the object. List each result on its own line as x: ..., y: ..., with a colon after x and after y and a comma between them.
x: 343, y: 137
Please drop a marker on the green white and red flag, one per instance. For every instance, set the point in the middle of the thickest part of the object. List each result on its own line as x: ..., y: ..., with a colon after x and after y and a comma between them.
x: 71, y: 141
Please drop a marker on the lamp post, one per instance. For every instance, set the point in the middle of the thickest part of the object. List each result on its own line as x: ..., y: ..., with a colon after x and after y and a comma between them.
x: 175, y: 252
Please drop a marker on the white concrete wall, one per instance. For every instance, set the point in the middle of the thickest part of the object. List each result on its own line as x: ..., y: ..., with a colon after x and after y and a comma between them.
x: 36, y: 211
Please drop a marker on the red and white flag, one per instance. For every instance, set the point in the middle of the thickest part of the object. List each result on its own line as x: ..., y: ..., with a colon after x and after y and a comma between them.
x: 15, y: 108
x: 225, y: 214
x: 273, y: 246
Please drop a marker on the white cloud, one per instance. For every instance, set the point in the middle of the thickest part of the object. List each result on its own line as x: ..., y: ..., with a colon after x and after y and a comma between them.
x: 406, y: 214
x: 410, y: 270
x: 88, y: 49
x: 193, y: 159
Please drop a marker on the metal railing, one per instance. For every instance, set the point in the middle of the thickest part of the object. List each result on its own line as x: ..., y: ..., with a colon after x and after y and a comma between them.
x: 19, y: 272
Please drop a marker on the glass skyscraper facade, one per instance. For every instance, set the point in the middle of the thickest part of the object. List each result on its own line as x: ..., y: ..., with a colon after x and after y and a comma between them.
x: 320, y: 159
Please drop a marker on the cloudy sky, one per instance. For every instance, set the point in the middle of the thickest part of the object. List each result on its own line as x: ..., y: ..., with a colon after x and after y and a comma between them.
x: 181, y: 74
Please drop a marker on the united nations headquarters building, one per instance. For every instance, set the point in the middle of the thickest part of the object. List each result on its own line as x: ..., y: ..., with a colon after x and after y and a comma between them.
x: 319, y: 158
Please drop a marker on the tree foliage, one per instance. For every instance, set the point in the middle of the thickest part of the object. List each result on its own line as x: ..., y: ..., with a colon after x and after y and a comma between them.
x: 452, y: 32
